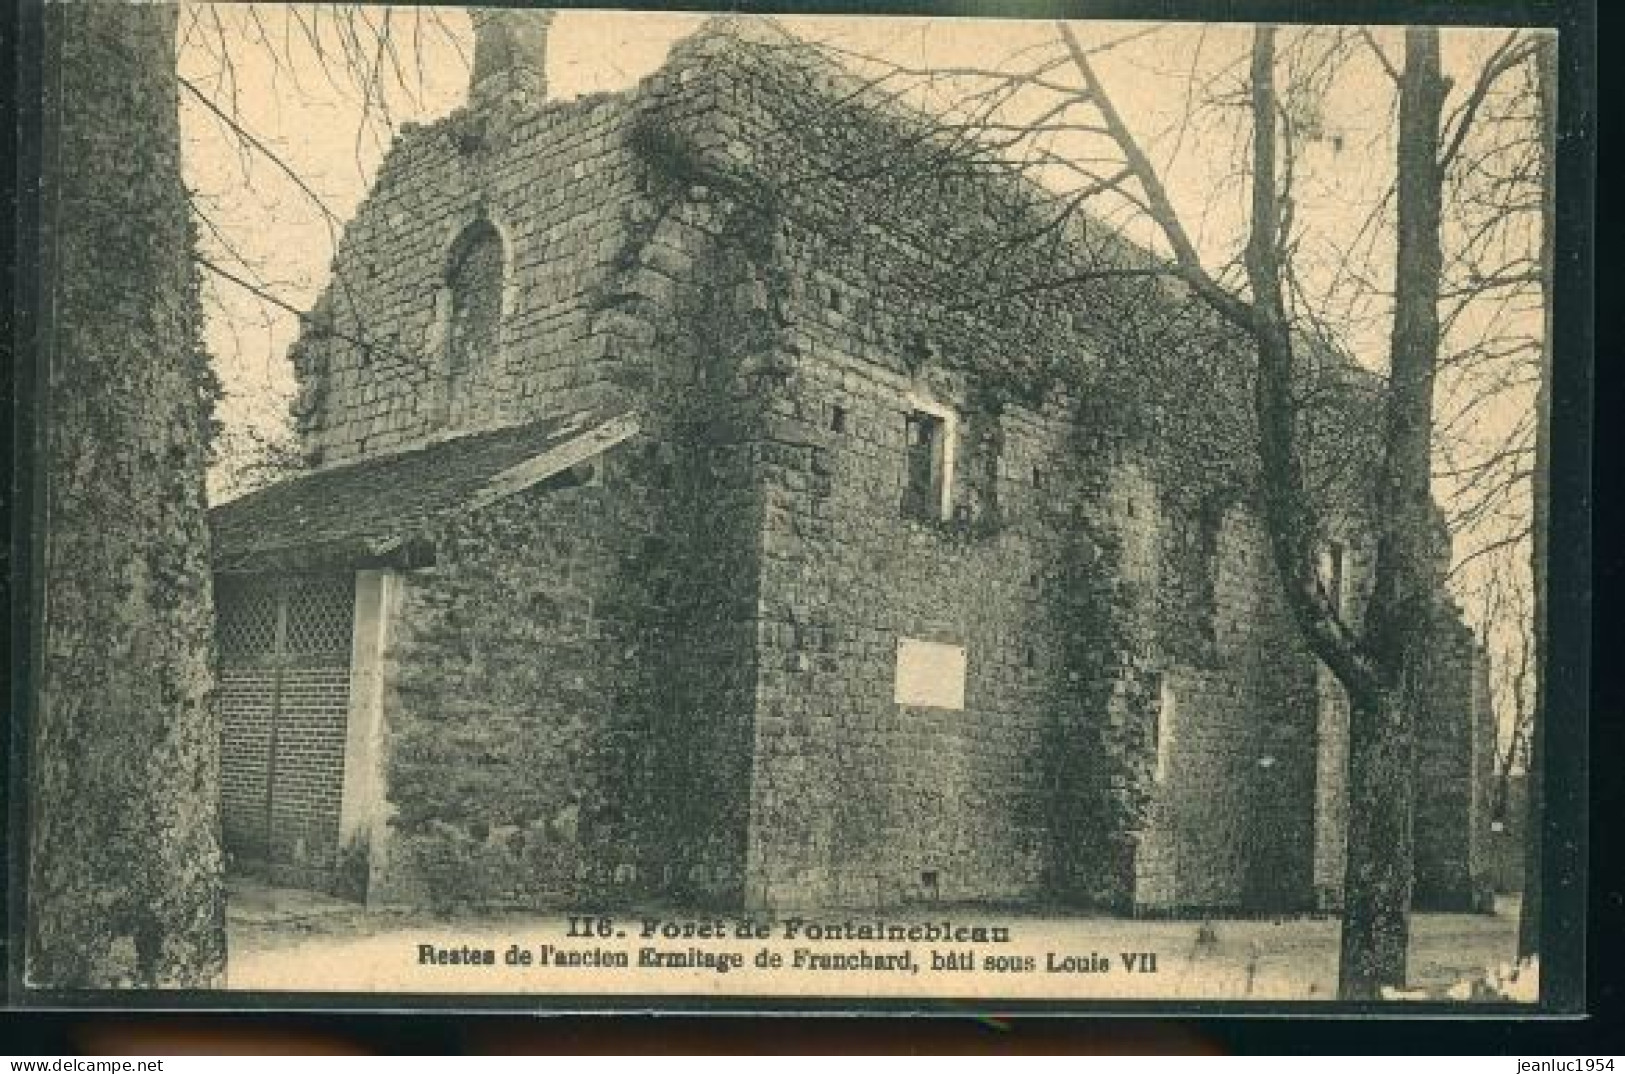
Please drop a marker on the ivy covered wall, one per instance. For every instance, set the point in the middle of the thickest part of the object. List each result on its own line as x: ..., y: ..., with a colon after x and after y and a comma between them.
x: 680, y: 679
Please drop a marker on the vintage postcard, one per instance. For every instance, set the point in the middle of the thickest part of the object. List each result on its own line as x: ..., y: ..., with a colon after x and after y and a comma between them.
x: 597, y: 507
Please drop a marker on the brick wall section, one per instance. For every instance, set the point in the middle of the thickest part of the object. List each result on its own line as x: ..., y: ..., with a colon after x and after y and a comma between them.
x: 245, y: 706
x: 284, y: 711
x: 309, y: 779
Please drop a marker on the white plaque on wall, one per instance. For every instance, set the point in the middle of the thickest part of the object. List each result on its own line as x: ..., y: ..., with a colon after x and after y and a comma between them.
x: 930, y: 674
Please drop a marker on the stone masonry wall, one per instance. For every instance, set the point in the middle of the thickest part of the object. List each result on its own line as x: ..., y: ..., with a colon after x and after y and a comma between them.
x: 554, y: 181
x: 859, y: 800
x: 1232, y: 824
x: 551, y: 735
x: 646, y: 687
x: 1454, y: 759
x: 856, y: 800
x: 677, y: 680
x: 505, y: 755
x: 1055, y: 572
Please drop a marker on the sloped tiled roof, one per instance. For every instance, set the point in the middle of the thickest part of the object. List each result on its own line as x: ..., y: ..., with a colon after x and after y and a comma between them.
x: 368, y: 508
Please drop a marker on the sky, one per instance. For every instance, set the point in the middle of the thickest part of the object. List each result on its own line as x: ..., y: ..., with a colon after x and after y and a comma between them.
x: 279, y: 74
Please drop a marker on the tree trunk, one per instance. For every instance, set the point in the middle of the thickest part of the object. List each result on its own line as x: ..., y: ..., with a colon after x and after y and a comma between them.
x: 124, y: 862
x: 1377, y: 887
x: 1377, y: 884
x: 1540, y: 488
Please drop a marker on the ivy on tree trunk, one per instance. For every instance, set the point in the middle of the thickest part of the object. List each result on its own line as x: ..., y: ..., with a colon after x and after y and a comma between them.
x: 124, y: 863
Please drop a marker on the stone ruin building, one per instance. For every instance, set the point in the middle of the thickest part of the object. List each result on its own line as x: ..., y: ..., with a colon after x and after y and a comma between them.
x: 674, y: 531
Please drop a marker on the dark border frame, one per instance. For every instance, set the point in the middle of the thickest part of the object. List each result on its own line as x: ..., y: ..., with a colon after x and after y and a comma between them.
x: 1566, y: 822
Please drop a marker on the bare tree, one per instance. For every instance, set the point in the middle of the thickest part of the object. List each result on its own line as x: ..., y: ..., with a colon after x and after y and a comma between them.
x: 1372, y: 663
x: 1373, y: 660
x: 381, y: 63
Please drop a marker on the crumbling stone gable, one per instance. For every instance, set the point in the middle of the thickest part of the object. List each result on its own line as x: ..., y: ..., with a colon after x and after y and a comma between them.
x: 554, y: 182
x: 641, y: 691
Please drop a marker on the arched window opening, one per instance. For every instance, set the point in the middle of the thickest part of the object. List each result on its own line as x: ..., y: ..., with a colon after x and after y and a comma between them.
x: 474, y: 279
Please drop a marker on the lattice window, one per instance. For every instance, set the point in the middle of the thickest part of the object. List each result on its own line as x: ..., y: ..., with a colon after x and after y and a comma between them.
x: 247, y: 611
x: 321, y: 612
x: 282, y: 617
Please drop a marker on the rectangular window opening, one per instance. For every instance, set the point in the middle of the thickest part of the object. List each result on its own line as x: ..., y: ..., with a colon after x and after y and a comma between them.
x: 925, y: 465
